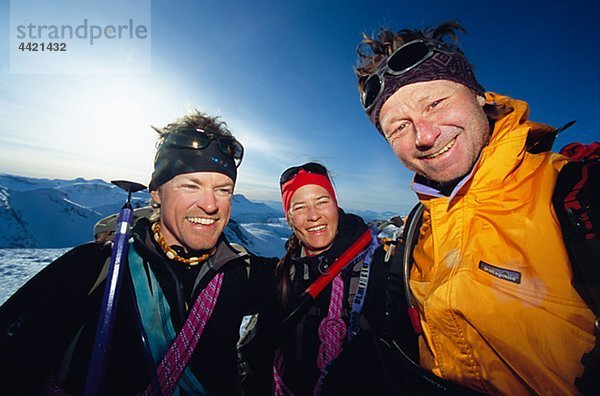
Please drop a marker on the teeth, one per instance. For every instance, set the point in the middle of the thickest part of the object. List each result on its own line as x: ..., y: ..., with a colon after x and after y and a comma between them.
x: 317, y: 228
x: 443, y: 150
x: 201, y: 220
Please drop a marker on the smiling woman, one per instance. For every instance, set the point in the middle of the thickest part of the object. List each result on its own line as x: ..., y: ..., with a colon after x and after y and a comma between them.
x: 320, y: 342
x: 313, y: 215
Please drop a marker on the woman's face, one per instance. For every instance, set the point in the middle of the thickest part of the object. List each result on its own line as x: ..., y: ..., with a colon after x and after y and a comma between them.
x: 313, y: 215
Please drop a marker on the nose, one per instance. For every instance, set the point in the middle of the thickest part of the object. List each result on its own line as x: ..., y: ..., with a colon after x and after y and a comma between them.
x: 427, y: 132
x: 207, y: 201
x: 313, y: 213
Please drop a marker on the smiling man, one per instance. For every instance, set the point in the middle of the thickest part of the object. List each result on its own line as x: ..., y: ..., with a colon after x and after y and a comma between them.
x: 491, y: 276
x: 178, y: 319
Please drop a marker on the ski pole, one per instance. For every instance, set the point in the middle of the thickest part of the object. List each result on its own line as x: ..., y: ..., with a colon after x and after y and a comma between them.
x: 97, y: 366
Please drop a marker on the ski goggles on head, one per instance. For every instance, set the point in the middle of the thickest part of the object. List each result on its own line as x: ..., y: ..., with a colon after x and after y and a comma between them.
x: 402, y: 60
x: 199, y: 139
x: 311, y: 167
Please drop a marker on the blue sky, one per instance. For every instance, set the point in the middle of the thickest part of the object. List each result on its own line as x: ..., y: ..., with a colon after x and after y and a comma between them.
x: 280, y: 74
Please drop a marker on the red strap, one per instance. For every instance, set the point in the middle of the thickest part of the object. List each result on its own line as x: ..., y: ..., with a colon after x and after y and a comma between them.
x: 415, y: 319
x: 587, y: 153
x: 339, y: 264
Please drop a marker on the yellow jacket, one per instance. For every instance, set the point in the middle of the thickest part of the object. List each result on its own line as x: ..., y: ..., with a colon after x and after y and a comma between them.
x: 492, y: 278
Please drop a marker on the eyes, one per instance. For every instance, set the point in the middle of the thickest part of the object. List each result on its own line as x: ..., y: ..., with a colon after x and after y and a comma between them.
x: 189, y: 186
x: 221, y: 191
x: 400, y: 127
x: 224, y: 192
x: 397, y: 130
x: 301, y: 208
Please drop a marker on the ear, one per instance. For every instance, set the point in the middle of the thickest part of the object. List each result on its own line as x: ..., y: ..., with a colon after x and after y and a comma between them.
x: 481, y: 100
x: 155, y: 196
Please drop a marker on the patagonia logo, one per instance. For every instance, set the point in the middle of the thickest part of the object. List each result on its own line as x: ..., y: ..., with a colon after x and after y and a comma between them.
x: 511, y: 276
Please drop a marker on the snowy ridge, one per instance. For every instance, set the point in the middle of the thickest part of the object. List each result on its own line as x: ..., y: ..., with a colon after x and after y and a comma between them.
x: 68, y: 201
x: 44, y: 213
x: 37, y: 214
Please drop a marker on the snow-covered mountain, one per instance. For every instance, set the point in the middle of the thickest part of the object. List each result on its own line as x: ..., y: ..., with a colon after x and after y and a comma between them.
x: 52, y: 213
x: 44, y: 213
x: 40, y: 219
x: 245, y: 211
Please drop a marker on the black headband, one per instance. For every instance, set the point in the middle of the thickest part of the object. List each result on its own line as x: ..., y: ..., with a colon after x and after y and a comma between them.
x: 440, y: 66
x: 171, y: 161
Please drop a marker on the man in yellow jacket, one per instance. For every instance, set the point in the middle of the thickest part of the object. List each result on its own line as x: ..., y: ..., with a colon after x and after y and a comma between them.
x: 491, y: 276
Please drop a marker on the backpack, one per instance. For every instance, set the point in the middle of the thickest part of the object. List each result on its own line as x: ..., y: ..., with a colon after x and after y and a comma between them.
x: 575, y: 202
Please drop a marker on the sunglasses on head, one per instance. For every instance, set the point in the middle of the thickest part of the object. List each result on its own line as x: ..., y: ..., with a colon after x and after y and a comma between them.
x: 199, y: 139
x: 402, y: 60
x: 311, y: 167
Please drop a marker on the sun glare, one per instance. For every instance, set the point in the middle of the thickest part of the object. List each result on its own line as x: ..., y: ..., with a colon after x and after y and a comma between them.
x: 103, y: 120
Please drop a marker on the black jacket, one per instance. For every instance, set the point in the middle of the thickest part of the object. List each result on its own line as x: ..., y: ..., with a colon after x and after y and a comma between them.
x: 53, y: 310
x: 358, y: 369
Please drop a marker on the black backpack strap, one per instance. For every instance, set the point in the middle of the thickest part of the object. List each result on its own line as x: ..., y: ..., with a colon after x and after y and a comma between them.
x: 395, y: 285
x: 410, y: 237
x: 398, y: 344
x: 575, y: 201
x: 396, y: 322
